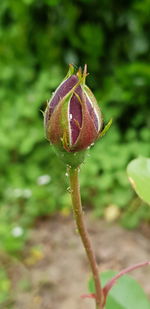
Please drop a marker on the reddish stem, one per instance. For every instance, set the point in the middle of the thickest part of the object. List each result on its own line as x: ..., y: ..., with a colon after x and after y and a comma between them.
x: 79, y: 218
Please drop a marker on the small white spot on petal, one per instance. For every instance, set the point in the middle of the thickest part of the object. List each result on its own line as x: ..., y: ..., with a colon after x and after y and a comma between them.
x: 70, y: 116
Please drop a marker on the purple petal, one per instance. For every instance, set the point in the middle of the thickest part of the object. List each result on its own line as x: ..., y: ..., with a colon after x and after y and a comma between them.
x: 60, y: 92
x: 92, y: 113
x: 75, y: 115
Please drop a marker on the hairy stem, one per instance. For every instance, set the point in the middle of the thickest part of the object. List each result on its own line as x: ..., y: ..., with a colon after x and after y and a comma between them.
x: 79, y: 218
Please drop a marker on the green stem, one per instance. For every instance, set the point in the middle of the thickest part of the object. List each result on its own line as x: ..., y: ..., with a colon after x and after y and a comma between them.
x: 79, y: 218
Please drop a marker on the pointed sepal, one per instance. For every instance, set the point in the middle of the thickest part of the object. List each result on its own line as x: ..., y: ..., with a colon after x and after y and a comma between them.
x: 106, y: 128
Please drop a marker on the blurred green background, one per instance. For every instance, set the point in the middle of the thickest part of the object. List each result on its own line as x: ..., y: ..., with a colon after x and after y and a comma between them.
x: 38, y: 39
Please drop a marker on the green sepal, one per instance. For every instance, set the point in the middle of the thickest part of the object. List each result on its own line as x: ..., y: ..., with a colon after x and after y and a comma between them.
x: 72, y: 159
x: 106, y: 128
x: 70, y: 71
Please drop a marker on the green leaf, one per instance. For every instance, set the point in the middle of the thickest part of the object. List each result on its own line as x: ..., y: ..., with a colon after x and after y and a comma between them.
x: 125, y: 294
x: 139, y: 176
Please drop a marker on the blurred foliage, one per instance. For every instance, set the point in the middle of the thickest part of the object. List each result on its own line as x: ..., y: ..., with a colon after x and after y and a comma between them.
x: 5, y: 287
x: 38, y: 40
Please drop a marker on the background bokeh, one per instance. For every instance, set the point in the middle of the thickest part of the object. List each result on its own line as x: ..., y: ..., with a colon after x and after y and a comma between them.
x: 38, y: 39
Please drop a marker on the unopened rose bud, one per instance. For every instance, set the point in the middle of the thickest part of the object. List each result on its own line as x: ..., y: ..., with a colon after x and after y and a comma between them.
x: 73, y: 120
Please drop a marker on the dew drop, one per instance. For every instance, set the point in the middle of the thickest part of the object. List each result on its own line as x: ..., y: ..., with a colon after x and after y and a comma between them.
x: 70, y: 116
x: 69, y: 190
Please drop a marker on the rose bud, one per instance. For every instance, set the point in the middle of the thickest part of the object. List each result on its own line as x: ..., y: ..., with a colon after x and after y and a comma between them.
x: 73, y: 120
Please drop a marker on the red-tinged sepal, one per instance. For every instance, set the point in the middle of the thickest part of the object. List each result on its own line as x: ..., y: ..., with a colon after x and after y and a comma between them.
x: 73, y: 120
x: 67, y: 85
x: 93, y: 108
x: 88, y: 133
x: 58, y: 126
